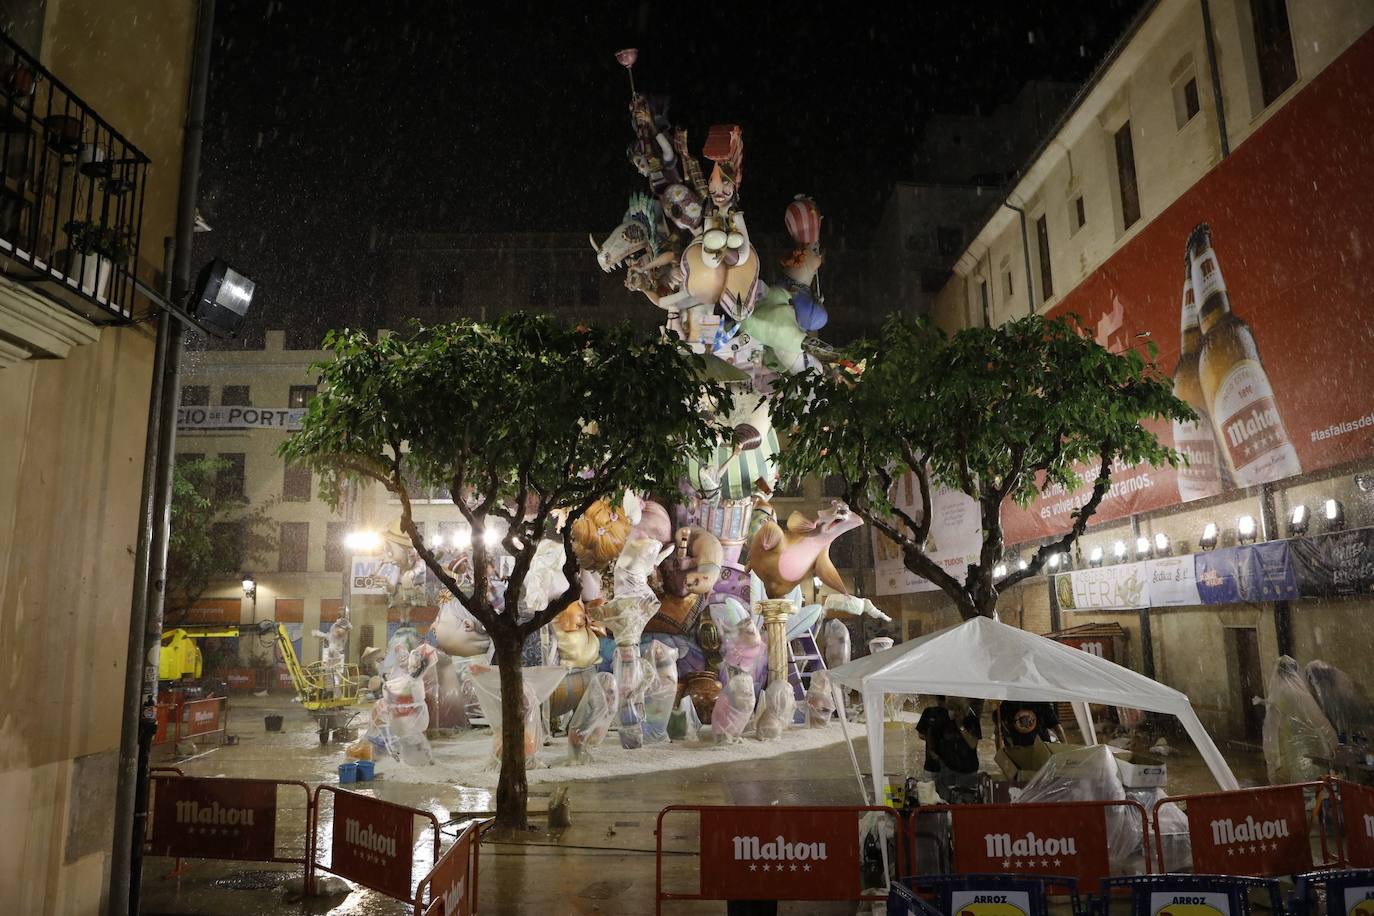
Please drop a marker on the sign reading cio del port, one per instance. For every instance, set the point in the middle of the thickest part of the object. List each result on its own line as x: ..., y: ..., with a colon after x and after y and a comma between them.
x: 214, y: 818
x: 373, y: 843
x: 779, y: 855
x: 240, y: 417
x: 1065, y: 840
x: 1261, y: 832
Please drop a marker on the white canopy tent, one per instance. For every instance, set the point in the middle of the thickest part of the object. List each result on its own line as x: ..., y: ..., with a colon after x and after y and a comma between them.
x: 984, y: 659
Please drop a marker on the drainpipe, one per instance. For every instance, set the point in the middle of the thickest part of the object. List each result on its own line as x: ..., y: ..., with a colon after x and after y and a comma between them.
x: 1025, y: 250
x: 1283, y: 610
x: 1216, y: 77
x: 145, y: 624
x: 1147, y: 641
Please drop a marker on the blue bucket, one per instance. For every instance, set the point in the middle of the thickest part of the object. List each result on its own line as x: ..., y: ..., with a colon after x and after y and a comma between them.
x: 348, y: 772
x: 364, y: 770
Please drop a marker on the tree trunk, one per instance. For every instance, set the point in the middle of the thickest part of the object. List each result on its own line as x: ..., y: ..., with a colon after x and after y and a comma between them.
x: 512, y: 791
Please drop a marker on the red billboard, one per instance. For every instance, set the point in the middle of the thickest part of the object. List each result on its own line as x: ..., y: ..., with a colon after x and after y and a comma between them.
x: 779, y: 854
x: 214, y: 818
x: 1271, y: 254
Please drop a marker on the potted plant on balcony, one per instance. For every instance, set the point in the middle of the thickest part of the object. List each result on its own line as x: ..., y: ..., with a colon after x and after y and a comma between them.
x: 95, y: 249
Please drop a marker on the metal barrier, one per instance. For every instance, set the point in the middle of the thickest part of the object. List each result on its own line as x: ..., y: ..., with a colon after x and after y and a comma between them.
x: 775, y: 853
x: 1043, y: 839
x: 197, y: 817
x: 197, y: 718
x: 1184, y: 895
x: 1257, y: 832
x: 372, y: 843
x: 1355, y: 821
x: 980, y: 895
x: 450, y: 888
x: 1343, y: 890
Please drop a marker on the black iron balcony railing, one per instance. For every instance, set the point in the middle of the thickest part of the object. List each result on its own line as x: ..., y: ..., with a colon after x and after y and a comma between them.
x: 71, y: 192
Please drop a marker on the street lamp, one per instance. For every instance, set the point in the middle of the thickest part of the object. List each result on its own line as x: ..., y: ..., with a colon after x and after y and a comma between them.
x: 1335, y: 514
x: 1245, y: 529
x: 250, y: 590
x: 362, y: 541
x: 1209, y: 536
x: 1161, y: 544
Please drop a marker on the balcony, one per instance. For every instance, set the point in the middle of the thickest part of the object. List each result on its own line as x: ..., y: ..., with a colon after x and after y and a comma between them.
x: 71, y: 208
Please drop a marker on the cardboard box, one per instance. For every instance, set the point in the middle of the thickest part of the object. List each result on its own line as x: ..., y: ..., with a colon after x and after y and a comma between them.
x: 1031, y: 759
x: 1140, y: 771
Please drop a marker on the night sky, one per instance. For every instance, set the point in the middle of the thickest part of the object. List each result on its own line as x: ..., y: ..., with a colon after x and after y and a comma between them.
x: 332, y: 125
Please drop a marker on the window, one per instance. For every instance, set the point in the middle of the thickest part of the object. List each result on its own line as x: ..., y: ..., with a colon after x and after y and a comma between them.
x: 235, y: 396
x: 195, y: 395
x: 1078, y: 215
x: 1007, y: 285
x: 293, y: 547
x: 1273, y: 48
x: 1186, y: 104
x: 1125, y: 175
x: 228, y: 538
x: 949, y: 240
x: 983, y: 300
x: 229, y: 481
x: 1042, y: 242
x: 334, y: 559
x: 300, y: 395
x: 295, y: 483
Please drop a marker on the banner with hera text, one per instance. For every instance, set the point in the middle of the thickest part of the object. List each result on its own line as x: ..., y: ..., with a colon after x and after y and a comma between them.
x: 956, y: 537
x: 1166, y: 582
x: 1291, y: 216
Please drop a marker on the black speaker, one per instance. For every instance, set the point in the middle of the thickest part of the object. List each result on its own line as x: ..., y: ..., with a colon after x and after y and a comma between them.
x: 222, y: 298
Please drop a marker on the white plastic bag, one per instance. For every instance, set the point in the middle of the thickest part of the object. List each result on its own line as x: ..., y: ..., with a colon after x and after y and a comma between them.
x: 820, y: 700
x: 592, y: 718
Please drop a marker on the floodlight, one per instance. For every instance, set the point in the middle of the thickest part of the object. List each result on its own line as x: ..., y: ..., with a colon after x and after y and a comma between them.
x: 1335, y: 515
x: 362, y: 541
x: 1142, y: 547
x: 1209, y: 536
x: 1161, y: 544
x: 1095, y: 558
x: 1119, y: 550
x: 1245, y: 528
x: 222, y: 297
x: 1297, y: 522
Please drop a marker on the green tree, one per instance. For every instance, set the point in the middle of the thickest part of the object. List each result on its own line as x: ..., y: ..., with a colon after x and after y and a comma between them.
x: 997, y: 413
x: 521, y: 422
x: 210, y: 538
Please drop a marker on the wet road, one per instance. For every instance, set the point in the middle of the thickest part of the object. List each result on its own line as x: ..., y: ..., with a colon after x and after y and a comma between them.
x: 602, y: 864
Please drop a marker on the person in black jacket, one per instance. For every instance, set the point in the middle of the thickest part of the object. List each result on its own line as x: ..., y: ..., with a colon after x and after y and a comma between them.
x: 951, y: 733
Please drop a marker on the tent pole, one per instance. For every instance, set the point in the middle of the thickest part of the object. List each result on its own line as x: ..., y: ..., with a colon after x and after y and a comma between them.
x: 849, y: 743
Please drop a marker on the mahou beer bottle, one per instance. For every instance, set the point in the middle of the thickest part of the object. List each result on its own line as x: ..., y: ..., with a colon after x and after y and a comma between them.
x: 1254, y: 444
x: 1201, y: 477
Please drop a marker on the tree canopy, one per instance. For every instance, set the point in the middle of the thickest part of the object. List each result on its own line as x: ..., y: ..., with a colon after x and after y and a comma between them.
x: 996, y: 413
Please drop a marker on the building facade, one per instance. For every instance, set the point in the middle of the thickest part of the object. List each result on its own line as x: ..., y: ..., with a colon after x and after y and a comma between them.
x: 1247, y: 123
x: 94, y: 101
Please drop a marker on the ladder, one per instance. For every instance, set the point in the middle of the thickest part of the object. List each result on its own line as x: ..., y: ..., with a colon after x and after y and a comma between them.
x: 803, y: 660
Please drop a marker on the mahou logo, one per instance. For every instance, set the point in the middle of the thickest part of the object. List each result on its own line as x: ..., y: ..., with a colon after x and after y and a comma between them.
x: 752, y: 849
x: 1002, y: 845
x: 1369, y: 826
x: 213, y: 814
x: 368, y: 838
x: 1226, y: 832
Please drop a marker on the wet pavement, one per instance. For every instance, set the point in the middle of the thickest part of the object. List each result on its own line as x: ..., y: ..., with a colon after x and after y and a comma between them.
x: 602, y: 864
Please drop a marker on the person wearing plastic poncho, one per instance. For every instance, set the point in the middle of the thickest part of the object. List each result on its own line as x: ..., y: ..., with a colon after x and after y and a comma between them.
x: 1295, y: 729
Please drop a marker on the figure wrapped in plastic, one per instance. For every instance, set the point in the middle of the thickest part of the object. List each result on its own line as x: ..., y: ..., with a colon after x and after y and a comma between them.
x: 734, y: 710
x: 459, y: 633
x: 1339, y: 698
x: 407, y: 717
x: 836, y: 644
x: 539, y: 683
x: 1295, y: 728
x: 633, y: 675
x: 592, y: 718
x: 660, y: 692
x: 820, y: 700
x: 334, y: 651
x: 743, y: 650
x: 776, y: 714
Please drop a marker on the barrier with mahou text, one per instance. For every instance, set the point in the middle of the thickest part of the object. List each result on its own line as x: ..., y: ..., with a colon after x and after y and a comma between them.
x: 1356, y: 806
x: 1066, y: 839
x: 1261, y: 832
x: 220, y: 818
x: 775, y: 853
x: 450, y: 888
x: 372, y: 842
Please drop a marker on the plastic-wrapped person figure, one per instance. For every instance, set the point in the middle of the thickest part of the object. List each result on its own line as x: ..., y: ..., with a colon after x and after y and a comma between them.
x: 1295, y: 728
x: 632, y: 674
x: 660, y: 692
x: 820, y: 700
x: 776, y: 714
x: 592, y: 719
x: 407, y: 717
x: 733, y: 710
x: 334, y: 651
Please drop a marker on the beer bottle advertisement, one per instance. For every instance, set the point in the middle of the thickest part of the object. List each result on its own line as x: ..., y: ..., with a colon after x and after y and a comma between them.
x: 1200, y: 475
x: 1275, y: 351
x: 1240, y: 398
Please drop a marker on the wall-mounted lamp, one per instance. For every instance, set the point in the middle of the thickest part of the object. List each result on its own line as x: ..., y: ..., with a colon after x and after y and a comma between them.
x: 1245, y: 529
x: 1209, y: 536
